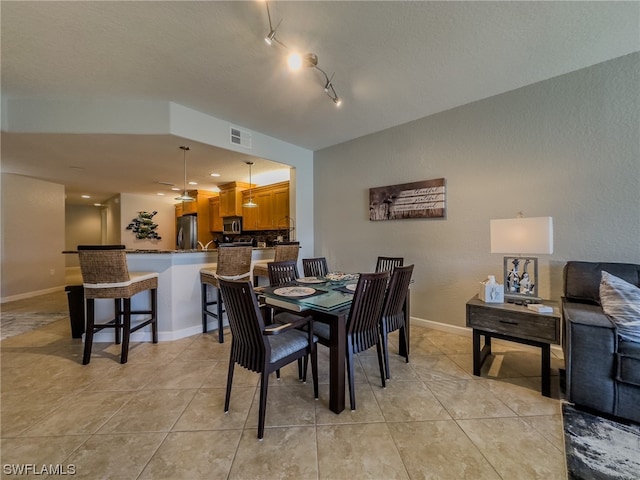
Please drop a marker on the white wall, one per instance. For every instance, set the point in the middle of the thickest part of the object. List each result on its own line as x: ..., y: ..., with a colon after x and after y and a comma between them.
x: 568, y: 148
x: 32, y: 236
x: 83, y: 226
x: 131, y: 204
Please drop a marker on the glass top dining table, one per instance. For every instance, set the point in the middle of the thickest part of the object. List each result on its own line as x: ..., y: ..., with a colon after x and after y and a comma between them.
x: 328, y: 302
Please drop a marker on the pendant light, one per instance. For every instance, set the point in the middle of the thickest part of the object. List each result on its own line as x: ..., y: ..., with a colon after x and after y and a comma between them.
x: 185, y: 197
x: 250, y: 203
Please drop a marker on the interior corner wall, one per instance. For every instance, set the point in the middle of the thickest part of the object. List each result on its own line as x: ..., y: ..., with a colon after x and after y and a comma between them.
x: 33, y: 216
x: 567, y: 147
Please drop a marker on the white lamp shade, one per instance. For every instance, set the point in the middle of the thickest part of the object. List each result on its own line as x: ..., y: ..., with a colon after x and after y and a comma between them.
x: 522, y: 235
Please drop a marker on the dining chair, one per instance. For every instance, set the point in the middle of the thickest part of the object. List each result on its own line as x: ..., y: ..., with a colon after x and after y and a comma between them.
x: 263, y: 348
x: 387, y: 264
x: 393, y: 315
x: 283, y: 252
x: 234, y: 263
x: 282, y: 272
x: 362, y: 325
x: 315, y: 267
x: 105, y: 275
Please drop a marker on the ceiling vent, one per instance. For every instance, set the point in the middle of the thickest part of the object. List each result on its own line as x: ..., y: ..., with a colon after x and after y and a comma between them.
x: 240, y: 137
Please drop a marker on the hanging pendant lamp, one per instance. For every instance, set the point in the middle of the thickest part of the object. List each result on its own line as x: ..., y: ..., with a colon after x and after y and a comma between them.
x: 250, y: 203
x: 185, y: 197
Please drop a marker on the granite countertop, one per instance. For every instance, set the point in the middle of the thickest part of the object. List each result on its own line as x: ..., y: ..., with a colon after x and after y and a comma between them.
x: 173, y: 251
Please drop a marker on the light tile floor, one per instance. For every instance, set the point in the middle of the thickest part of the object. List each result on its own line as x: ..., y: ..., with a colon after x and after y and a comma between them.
x: 161, y: 416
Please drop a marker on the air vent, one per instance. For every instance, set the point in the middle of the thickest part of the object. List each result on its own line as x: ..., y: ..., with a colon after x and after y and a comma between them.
x: 240, y: 137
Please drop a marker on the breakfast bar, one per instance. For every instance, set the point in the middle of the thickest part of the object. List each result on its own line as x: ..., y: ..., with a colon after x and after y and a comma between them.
x: 179, y: 310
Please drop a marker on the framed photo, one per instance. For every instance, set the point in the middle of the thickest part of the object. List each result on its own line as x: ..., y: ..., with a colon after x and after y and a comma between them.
x: 521, y: 278
x: 425, y: 199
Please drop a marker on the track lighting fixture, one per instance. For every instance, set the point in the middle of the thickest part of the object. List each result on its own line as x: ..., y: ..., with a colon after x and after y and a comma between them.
x: 296, y: 61
x: 271, y: 37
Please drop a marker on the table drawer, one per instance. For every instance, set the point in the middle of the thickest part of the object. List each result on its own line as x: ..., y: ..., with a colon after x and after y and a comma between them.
x: 519, y: 324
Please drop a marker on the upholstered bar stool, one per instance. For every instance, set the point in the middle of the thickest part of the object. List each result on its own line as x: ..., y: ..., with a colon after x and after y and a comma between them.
x: 105, y: 275
x: 234, y: 263
x: 284, y: 252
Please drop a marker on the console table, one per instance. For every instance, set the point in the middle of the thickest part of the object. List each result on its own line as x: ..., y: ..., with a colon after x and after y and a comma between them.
x: 514, y: 323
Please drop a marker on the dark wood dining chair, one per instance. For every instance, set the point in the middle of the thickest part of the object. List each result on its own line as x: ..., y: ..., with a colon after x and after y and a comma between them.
x: 387, y: 264
x: 362, y: 323
x: 282, y: 272
x: 105, y: 275
x: 261, y: 348
x: 315, y: 267
x: 393, y: 315
x: 283, y: 252
x: 234, y: 263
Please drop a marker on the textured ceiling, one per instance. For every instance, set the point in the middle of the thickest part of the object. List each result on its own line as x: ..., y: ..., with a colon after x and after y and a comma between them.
x: 393, y: 61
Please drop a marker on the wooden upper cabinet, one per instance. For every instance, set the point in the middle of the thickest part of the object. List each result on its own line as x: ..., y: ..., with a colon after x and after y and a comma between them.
x: 231, y: 198
x: 280, y: 205
x: 273, y: 206
x: 215, y: 220
x: 249, y: 214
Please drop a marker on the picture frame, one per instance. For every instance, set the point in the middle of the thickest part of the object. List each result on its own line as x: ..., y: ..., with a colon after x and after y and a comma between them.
x: 521, y: 279
x: 424, y: 199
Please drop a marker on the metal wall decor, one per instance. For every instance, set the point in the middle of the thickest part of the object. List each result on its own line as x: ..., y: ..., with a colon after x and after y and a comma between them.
x: 425, y: 199
x: 143, y: 226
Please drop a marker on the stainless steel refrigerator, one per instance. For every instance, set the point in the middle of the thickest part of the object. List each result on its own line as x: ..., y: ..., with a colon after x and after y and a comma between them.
x: 187, y: 232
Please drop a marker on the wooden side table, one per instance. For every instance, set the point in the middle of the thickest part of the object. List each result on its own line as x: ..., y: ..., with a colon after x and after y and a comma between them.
x: 514, y: 323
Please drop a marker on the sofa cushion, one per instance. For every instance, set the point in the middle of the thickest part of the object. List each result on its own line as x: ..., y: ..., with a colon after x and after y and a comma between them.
x: 629, y: 362
x: 582, y: 279
x: 621, y: 302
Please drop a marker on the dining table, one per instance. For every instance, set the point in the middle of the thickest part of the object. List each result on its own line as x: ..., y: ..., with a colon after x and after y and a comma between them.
x: 328, y: 301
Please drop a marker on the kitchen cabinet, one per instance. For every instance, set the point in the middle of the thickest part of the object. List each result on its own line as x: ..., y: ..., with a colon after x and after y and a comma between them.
x: 231, y: 198
x: 273, y: 207
x: 215, y: 220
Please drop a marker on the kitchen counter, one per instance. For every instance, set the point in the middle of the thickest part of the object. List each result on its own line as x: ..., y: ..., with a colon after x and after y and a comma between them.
x: 179, y: 307
x: 174, y: 251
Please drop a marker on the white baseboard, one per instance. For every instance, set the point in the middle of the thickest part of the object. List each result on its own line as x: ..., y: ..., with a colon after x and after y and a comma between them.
x: 22, y: 296
x: 467, y: 332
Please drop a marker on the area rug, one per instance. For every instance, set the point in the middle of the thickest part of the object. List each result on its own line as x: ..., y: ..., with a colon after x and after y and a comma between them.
x: 12, y: 324
x: 598, y: 448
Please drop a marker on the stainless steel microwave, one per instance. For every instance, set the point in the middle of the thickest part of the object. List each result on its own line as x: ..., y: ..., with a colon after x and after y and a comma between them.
x: 232, y: 225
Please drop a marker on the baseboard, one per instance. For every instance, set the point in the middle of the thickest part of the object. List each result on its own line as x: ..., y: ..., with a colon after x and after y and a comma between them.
x: 467, y: 332
x: 22, y: 296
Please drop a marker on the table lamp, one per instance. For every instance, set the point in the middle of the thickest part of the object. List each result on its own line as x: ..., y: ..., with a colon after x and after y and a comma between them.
x: 518, y: 237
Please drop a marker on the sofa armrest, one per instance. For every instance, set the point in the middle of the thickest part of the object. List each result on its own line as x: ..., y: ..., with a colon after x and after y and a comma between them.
x: 590, y: 360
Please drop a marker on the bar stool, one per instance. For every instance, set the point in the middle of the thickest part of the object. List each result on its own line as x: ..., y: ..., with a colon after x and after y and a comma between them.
x: 234, y: 263
x: 105, y: 275
x: 284, y: 252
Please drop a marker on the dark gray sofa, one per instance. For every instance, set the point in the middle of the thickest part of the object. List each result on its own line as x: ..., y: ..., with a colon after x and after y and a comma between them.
x: 602, y: 371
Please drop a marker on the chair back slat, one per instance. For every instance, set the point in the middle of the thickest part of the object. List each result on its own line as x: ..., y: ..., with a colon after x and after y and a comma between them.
x: 315, y: 267
x: 248, y: 345
x: 396, y: 294
x: 282, y: 272
x: 286, y: 251
x: 234, y: 260
x: 103, y: 264
x: 366, y: 309
x: 387, y: 264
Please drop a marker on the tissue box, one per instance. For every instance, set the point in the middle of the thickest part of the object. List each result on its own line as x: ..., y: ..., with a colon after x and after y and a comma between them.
x: 491, y: 293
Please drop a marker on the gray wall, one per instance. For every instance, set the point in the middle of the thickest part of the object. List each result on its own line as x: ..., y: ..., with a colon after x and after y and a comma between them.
x: 568, y: 147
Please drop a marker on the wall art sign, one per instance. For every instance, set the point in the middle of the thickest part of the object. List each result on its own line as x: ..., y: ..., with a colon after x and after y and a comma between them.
x: 144, y: 227
x: 425, y: 199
